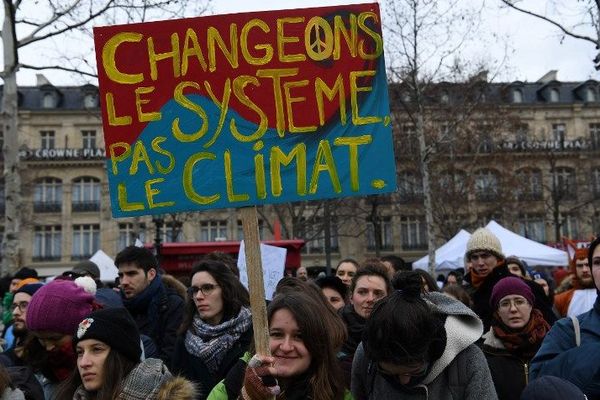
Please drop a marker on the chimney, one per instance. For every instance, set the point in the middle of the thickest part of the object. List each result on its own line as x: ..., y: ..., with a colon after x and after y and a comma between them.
x: 549, y: 76
x: 41, y: 80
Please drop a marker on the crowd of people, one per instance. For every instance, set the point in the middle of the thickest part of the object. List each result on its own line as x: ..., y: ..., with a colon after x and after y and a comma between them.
x: 373, y: 330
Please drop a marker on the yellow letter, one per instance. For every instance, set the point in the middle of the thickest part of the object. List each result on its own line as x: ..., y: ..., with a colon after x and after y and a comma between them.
x: 375, y: 35
x: 278, y: 157
x: 140, y: 154
x: 150, y: 193
x: 353, y: 143
x: 229, y: 180
x: 114, y: 158
x: 142, y: 116
x: 350, y: 38
x: 109, y: 52
x: 124, y: 205
x: 194, y: 50
x: 187, y: 103
x: 268, y: 49
x: 324, y: 154
x: 223, y: 106
x: 261, y: 184
x: 354, y: 89
x: 153, y: 57
x: 322, y: 88
x: 322, y: 45
x: 282, y: 40
x: 214, y: 37
x: 113, y: 120
x: 188, y: 184
x: 156, y: 147
x: 289, y: 100
x: 238, y: 89
x: 276, y: 75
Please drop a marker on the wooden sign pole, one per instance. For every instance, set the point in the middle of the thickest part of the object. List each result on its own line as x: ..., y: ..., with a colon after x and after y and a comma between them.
x: 255, y: 280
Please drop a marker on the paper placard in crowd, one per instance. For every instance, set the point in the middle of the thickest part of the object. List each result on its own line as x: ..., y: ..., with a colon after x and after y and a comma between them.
x: 108, y: 270
x: 273, y: 265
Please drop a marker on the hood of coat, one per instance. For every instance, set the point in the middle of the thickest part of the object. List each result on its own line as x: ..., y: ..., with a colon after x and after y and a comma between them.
x: 463, y: 328
x: 492, y: 341
x: 177, y: 388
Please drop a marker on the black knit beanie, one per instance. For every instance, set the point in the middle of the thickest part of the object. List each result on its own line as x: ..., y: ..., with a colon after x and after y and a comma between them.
x: 113, y: 326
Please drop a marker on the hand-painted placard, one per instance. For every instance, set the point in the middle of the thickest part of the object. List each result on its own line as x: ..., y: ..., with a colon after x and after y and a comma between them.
x: 273, y: 266
x: 245, y: 109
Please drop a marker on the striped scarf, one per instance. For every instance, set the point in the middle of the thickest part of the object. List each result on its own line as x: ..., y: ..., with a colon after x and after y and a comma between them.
x: 210, y: 343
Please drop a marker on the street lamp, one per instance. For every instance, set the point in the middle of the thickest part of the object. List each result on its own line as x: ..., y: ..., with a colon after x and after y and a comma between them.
x: 158, y: 224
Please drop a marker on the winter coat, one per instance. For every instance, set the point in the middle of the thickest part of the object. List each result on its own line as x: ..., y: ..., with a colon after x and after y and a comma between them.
x: 460, y: 373
x: 509, y: 372
x: 12, y: 394
x: 150, y: 380
x: 560, y: 356
x: 481, y: 297
x: 194, y: 369
x: 355, y: 325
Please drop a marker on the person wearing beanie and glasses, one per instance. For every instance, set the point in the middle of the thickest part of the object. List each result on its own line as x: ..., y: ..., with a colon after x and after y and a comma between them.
x: 53, y: 314
x: 107, y: 344
x: 515, y: 336
x: 571, y: 350
x: 488, y: 266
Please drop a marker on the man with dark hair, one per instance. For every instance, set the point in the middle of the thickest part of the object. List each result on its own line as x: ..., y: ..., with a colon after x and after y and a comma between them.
x: 394, y: 264
x: 157, y: 309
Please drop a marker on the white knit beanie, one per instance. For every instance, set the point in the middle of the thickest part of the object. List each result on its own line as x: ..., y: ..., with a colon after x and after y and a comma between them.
x: 484, y: 240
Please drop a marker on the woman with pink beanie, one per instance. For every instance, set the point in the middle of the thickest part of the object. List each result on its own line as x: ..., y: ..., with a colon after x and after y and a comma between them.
x: 53, y: 315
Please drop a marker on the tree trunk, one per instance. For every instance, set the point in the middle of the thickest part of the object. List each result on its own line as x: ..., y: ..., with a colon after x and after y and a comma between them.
x: 427, y: 203
x: 10, y: 150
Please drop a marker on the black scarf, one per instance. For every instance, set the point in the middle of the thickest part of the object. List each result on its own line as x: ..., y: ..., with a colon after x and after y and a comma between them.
x: 355, y: 325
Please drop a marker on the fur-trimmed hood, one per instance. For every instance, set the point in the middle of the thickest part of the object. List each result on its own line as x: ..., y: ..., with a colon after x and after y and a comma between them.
x: 171, y: 282
x: 177, y: 388
x: 463, y: 328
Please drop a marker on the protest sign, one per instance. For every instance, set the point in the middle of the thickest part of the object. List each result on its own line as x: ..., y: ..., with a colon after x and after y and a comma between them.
x: 273, y: 264
x: 245, y: 109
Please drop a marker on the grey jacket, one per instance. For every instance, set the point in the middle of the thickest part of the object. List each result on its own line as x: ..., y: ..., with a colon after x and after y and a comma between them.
x: 461, y: 372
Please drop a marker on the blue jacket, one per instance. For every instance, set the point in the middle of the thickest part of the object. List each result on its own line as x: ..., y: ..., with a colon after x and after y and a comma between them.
x: 559, y: 355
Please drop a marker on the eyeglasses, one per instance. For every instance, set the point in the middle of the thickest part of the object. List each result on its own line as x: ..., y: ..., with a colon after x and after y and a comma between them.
x: 518, y: 302
x: 206, y: 289
x: 22, y: 306
x: 416, y: 372
x: 483, y: 256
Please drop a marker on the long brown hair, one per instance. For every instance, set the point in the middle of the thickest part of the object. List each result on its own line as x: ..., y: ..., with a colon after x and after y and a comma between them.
x: 115, y: 370
x: 326, y: 381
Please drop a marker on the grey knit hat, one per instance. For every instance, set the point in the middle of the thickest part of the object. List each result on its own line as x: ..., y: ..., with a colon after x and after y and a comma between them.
x: 484, y: 240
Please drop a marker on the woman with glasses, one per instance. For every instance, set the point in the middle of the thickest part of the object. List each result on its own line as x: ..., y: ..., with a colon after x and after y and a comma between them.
x: 516, y: 334
x: 216, y: 329
x: 420, y: 346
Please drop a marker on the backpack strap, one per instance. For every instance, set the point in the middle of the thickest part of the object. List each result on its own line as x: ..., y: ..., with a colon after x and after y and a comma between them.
x: 577, y: 330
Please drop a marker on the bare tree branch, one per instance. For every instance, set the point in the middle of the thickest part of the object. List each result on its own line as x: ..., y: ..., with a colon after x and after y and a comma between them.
x: 60, y: 68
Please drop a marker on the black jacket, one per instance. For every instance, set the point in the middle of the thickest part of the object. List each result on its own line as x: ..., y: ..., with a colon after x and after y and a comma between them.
x: 194, y: 369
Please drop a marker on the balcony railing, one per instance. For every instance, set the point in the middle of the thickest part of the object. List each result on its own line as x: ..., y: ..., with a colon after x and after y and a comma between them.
x: 47, y: 207
x: 46, y: 258
x: 86, y: 206
x: 79, y: 257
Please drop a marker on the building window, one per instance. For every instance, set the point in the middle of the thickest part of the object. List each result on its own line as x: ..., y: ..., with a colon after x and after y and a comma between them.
x: 314, y: 234
x: 559, y: 132
x: 565, y: 183
x: 86, y: 194
x: 529, y: 183
x: 47, y: 139
x: 594, y: 130
x: 240, y: 230
x: 213, y: 231
x: 554, y: 95
x: 444, y: 98
x: 522, y: 133
x: 47, y: 243
x: 486, y: 185
x: 128, y: 235
x: 86, y: 241
x: 453, y: 182
x: 532, y: 226
x: 408, y: 139
x: 47, y: 195
x: 89, y: 139
x: 590, y: 94
x: 90, y: 100
x: 569, y: 226
x: 386, y: 233
x: 410, y: 187
x: 413, y: 233
x: 517, y: 96
x: 48, y: 101
x: 172, y: 232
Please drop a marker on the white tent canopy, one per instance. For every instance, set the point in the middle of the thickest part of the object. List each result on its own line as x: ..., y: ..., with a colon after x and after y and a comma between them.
x: 532, y: 252
x: 451, y: 255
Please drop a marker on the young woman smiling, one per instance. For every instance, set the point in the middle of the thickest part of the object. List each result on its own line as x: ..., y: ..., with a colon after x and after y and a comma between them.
x: 304, y: 369
x: 107, y: 344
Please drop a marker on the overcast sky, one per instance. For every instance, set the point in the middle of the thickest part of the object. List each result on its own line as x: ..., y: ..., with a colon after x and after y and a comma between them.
x: 534, y: 47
